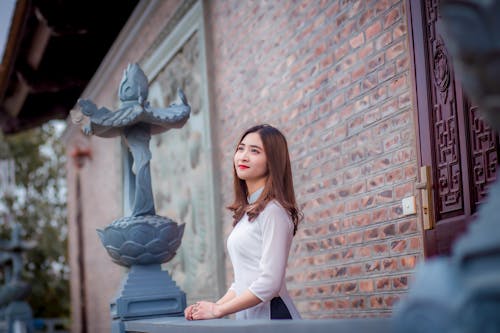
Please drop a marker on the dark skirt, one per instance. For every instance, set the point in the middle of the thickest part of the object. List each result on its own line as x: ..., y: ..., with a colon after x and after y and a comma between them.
x: 279, y: 309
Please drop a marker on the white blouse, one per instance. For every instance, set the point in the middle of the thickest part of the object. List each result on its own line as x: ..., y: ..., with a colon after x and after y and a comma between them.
x: 259, y: 253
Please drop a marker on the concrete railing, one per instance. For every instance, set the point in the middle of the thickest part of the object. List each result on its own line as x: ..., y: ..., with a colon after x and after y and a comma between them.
x: 181, y: 325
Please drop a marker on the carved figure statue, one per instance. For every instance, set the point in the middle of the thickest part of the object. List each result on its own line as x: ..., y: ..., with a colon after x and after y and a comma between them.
x: 143, y: 238
x: 135, y: 121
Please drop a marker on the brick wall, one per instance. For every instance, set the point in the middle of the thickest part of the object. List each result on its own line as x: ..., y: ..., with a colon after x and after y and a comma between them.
x: 335, y: 77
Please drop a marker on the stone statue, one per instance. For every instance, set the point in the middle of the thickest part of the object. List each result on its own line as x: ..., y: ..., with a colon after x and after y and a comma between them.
x: 143, y: 240
x: 14, y: 291
x: 136, y: 120
x: 462, y: 293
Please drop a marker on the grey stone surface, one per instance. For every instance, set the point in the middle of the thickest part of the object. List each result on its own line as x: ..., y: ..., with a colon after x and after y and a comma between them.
x: 148, y: 291
x: 181, y: 325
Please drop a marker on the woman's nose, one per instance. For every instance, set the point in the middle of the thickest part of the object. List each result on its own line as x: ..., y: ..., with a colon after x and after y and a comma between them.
x: 244, y: 156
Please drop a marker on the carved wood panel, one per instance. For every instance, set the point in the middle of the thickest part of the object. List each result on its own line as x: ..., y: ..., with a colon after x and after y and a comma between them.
x: 445, y: 111
x: 484, y: 143
x: 460, y: 148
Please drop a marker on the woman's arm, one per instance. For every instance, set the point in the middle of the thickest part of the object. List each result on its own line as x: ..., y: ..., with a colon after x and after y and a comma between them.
x: 244, y: 301
x: 230, y: 294
x: 208, y: 310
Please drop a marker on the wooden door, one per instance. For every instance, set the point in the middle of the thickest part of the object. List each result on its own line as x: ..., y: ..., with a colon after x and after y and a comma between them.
x: 459, y: 147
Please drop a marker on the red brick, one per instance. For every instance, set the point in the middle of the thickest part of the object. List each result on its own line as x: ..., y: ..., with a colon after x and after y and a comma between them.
x: 355, y: 270
x: 355, y: 90
x: 398, y: 84
x: 388, y: 230
x: 390, y: 264
x: 392, y: 17
x: 415, y: 243
x: 404, y: 190
x: 372, y: 266
x: 383, y: 284
x: 369, y: 82
x: 336, y: 288
x: 362, y: 104
x: 357, y: 40
x: 366, y: 285
x: 364, y: 252
x: 352, y: 173
x: 383, y: 40
x: 379, y: 215
x: 343, y: 303
x: 376, y: 302
x: 398, y: 246
x: 394, y: 176
x: 375, y: 62
x: 402, y: 65
x: 349, y: 287
x: 378, y: 95
x: 410, y: 172
x: 405, y: 227
x: 355, y: 237
x: 376, y: 182
x: 358, y: 303
x: 329, y: 305
x: 408, y: 262
x: 404, y: 100
x: 373, y: 30
x: 341, y: 51
x: 396, y: 211
x: 365, y: 51
x: 371, y: 116
x: 380, y: 249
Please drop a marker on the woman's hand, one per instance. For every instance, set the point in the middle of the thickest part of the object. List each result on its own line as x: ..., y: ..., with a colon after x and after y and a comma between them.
x: 205, y: 310
x: 188, y: 312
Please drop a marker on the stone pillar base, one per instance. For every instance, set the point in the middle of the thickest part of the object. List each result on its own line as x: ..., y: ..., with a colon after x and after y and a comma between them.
x: 147, y: 291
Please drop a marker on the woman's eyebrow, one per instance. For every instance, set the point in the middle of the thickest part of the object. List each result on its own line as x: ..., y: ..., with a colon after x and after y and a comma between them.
x: 252, y: 146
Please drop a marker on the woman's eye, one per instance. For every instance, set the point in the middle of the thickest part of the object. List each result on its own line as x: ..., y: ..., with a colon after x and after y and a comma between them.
x: 240, y: 148
x: 254, y: 150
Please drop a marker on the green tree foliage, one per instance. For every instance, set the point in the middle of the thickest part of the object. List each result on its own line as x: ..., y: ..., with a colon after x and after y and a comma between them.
x: 38, y: 203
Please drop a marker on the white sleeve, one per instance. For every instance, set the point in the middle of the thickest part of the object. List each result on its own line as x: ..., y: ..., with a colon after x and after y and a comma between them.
x: 277, y: 233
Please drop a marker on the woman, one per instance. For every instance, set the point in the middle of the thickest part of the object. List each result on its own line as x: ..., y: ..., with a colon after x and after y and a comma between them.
x: 265, y: 219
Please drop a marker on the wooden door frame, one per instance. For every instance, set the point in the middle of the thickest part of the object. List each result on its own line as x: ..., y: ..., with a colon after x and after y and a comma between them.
x: 421, y: 93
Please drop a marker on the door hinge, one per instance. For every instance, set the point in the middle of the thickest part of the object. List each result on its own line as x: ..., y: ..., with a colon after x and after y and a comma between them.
x: 425, y: 185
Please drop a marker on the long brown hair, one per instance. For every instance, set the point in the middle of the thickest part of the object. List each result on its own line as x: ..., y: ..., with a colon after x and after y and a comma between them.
x: 279, y: 184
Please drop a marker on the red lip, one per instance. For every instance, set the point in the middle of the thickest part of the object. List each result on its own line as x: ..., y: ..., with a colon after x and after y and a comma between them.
x: 242, y: 167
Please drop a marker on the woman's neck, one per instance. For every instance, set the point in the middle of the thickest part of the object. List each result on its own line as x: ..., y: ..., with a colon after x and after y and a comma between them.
x: 255, y: 185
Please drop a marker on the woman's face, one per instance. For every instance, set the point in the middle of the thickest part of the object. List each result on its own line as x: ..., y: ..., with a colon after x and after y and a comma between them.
x: 250, y: 160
